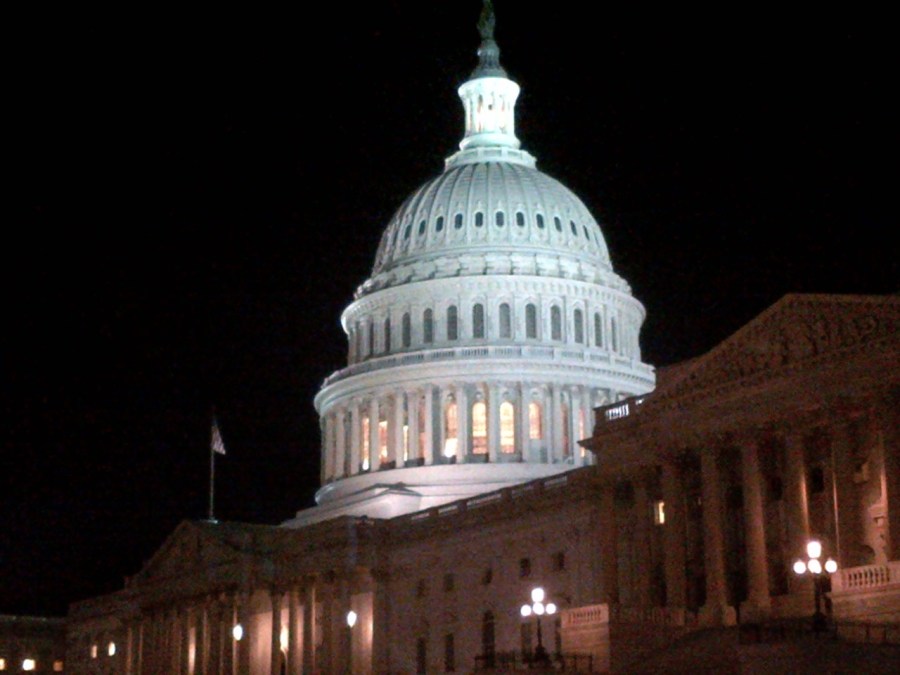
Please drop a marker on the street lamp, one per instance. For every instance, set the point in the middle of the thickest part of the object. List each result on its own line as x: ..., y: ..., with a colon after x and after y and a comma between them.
x: 538, y: 608
x: 820, y: 573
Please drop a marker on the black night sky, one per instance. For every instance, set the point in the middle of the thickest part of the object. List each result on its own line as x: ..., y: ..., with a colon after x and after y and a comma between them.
x: 197, y: 197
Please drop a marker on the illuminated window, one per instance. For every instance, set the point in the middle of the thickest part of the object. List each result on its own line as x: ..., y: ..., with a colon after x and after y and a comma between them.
x: 564, y: 420
x: 579, y: 326
x: 659, y: 512
x: 428, y: 326
x: 387, y: 334
x: 581, y: 430
x: 530, y: 321
x: 382, y: 441
x: 555, y: 323
x: 535, y: 421
x: 365, y: 443
x: 498, y: 218
x: 479, y: 428
x: 406, y: 330
x: 57, y: 666
x: 2, y: 664
x: 94, y: 651
x: 405, y: 442
x: 478, y: 320
x: 520, y: 219
x: 28, y: 664
x: 598, y: 329
x: 507, y: 427
x: 452, y: 323
x: 450, y: 426
x: 505, y: 321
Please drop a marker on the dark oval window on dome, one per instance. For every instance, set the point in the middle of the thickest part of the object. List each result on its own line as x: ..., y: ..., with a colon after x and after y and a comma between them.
x: 479, y: 219
x: 587, y: 235
x: 498, y: 218
x: 407, y: 231
x: 572, y: 227
x: 520, y: 219
x: 557, y: 223
x: 540, y: 221
x: 439, y: 225
x: 458, y: 221
x: 421, y: 228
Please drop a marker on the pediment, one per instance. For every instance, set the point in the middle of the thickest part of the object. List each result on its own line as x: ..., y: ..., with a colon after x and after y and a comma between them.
x: 795, y: 332
x: 189, y: 549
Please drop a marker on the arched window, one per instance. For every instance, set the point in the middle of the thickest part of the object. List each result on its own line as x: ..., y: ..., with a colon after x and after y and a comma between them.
x: 364, y: 458
x: 452, y: 323
x: 555, y: 323
x: 507, y: 427
x: 498, y: 218
x: 520, y: 219
x: 421, y: 228
x: 579, y: 326
x: 598, y: 329
x: 439, y: 224
x: 406, y: 330
x: 505, y: 321
x: 387, y: 335
x: 458, y: 221
x: 539, y: 219
x: 450, y: 430
x: 479, y: 219
x: 530, y: 321
x: 479, y: 428
x: 564, y: 421
x: 478, y: 320
x: 535, y: 421
x: 613, y: 334
x: 488, y: 650
x: 428, y: 326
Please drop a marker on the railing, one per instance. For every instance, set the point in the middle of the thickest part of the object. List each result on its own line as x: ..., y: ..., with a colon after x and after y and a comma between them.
x: 657, y: 616
x: 620, y: 410
x: 511, y: 662
x: 535, y: 352
x: 867, y: 577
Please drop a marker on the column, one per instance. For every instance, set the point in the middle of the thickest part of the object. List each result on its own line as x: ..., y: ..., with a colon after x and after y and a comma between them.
x: 374, y: 445
x: 716, y: 611
x: 887, y: 422
x: 758, y: 604
x: 674, y: 536
x: 584, y: 456
x: 462, y: 424
x: 328, y: 449
x: 295, y: 637
x: 380, y: 623
x: 309, y: 628
x: 355, y: 440
x: 557, y: 452
x: 412, y: 420
x: 608, y: 546
x: 395, y: 437
x: 276, y: 659
x: 522, y: 423
x: 201, y: 663
x: 846, y: 517
x: 243, y: 645
x: 229, y: 615
x: 341, y: 632
x: 547, y: 423
x: 340, y: 444
x: 428, y: 447
x: 493, y: 423
x: 214, y: 621
x: 644, y: 571
x: 795, y: 500
x: 325, y: 660
x: 175, y: 634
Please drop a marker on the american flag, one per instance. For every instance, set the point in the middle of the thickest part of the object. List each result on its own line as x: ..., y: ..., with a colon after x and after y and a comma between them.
x: 216, y: 444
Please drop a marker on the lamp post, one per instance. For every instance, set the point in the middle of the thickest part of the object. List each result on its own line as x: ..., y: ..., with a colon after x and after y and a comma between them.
x: 538, y: 609
x: 820, y: 573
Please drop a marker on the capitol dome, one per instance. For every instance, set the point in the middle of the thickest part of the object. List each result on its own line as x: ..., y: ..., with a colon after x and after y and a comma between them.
x: 490, y: 328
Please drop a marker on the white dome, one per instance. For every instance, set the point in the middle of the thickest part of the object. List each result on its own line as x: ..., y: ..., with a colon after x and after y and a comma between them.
x: 491, y: 218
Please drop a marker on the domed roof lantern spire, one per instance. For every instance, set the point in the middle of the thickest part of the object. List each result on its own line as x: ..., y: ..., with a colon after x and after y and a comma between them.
x: 489, y: 98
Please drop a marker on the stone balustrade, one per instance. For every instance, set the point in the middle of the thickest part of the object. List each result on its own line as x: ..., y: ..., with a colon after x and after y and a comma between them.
x: 867, y: 577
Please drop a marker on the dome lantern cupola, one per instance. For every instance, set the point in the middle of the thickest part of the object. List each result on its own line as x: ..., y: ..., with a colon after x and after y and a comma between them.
x: 489, y: 98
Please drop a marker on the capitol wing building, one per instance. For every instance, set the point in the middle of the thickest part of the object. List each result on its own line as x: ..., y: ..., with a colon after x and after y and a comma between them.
x: 495, y: 431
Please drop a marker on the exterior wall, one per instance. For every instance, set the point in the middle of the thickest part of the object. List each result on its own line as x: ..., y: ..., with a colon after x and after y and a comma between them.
x: 36, y: 638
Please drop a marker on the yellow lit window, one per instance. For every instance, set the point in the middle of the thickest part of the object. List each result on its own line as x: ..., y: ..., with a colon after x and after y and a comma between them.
x: 382, y: 440
x: 479, y: 428
x: 581, y: 433
x: 2, y: 664
x: 57, y: 666
x: 93, y: 651
x: 659, y: 512
x: 450, y: 425
x: 535, y: 425
x: 28, y: 664
x: 365, y: 443
x: 507, y: 427
x: 405, y: 442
